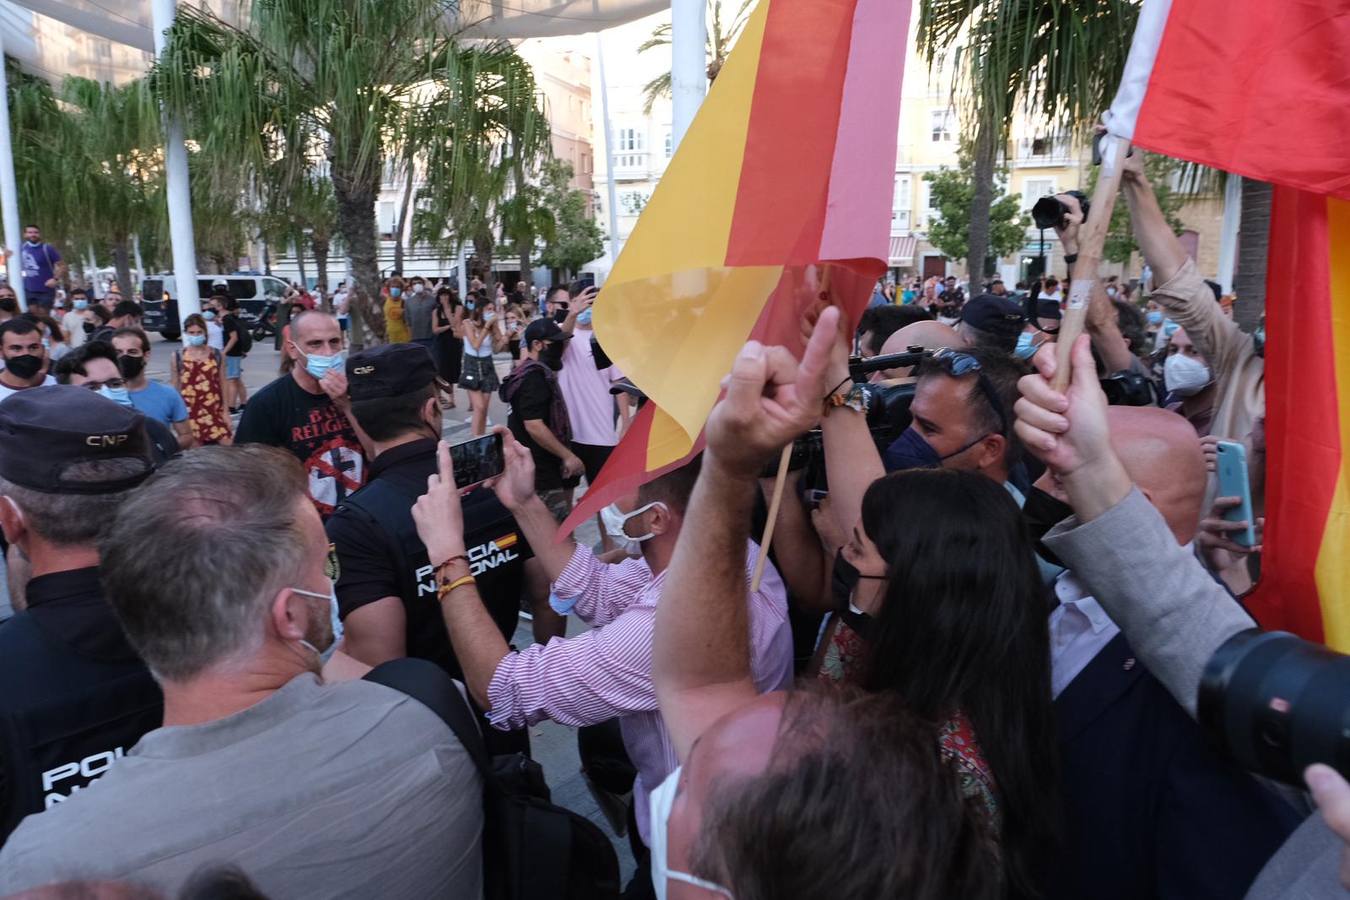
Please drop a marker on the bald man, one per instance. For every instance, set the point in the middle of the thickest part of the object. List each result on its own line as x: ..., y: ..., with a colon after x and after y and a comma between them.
x: 932, y: 335
x: 1151, y: 810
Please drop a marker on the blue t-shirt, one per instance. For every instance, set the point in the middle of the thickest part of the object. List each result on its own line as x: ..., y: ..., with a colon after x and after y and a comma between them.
x: 38, y: 262
x: 159, y: 401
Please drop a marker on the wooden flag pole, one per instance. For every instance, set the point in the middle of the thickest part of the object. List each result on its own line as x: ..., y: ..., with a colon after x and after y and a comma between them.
x: 780, y: 480
x: 1092, y: 238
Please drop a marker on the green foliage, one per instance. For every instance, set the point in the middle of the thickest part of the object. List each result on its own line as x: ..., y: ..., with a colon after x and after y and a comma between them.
x: 1162, y: 171
x: 952, y: 191
x: 577, y: 239
x: 721, y: 38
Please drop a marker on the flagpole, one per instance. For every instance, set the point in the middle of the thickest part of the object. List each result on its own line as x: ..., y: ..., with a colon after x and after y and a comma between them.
x: 1092, y: 238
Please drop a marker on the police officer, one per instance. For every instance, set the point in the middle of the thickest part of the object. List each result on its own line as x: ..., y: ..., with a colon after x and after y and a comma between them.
x: 386, y: 587
x: 76, y: 696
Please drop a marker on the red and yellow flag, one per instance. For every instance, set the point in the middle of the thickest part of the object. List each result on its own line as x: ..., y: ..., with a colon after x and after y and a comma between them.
x: 789, y: 165
x: 1305, y: 573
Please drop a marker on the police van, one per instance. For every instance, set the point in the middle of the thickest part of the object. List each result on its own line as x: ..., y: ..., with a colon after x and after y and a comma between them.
x: 254, y: 293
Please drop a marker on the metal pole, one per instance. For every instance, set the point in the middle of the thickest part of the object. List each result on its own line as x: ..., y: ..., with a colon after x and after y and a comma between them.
x: 9, y: 192
x: 176, y: 183
x: 688, y: 63
x: 95, y: 285
x: 1228, y: 232
x: 140, y: 266
x: 613, y: 192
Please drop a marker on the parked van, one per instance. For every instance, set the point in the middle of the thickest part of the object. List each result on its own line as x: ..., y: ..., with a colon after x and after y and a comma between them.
x: 254, y: 293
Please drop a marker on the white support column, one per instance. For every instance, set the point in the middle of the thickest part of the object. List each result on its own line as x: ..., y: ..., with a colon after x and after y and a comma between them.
x: 463, y: 272
x: 130, y: 289
x: 613, y: 194
x: 95, y: 283
x: 688, y: 63
x: 176, y: 183
x: 9, y: 192
x: 1228, y: 232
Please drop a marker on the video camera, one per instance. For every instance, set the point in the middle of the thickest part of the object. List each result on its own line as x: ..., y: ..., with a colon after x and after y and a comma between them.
x: 1277, y: 704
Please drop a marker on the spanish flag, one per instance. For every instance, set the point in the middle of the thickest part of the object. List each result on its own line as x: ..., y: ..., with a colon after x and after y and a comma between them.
x: 1305, y: 575
x: 789, y: 167
x: 1219, y: 84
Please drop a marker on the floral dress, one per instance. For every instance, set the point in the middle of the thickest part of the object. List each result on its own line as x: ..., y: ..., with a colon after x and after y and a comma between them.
x: 200, y: 387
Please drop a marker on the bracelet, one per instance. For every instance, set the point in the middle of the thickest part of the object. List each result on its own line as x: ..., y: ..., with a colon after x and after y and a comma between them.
x: 452, y: 559
x: 446, y: 589
x: 1071, y: 257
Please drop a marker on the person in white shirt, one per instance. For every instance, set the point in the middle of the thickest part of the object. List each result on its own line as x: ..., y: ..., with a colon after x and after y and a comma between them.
x: 25, y: 358
x: 73, y: 322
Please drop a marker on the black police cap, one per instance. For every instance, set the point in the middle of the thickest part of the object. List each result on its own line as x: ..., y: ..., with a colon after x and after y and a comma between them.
x: 390, y: 370
x: 46, y: 430
x: 994, y: 314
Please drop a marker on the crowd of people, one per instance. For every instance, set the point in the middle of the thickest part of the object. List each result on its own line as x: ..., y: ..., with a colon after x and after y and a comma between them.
x: 275, y: 659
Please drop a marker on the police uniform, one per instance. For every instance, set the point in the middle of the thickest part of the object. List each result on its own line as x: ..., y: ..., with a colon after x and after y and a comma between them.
x: 76, y: 696
x: 379, y: 553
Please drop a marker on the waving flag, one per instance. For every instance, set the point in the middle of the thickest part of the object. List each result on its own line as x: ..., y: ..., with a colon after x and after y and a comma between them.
x: 1305, y: 577
x: 1260, y: 88
x: 1217, y: 84
x: 789, y: 166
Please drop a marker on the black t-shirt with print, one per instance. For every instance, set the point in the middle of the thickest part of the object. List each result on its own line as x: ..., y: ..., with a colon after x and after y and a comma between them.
x: 285, y: 415
x: 532, y: 400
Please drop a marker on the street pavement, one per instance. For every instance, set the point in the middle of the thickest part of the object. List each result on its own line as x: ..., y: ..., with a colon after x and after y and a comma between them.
x: 553, y: 746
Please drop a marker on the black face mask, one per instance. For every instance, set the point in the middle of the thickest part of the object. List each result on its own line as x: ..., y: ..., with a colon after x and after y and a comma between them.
x: 89, y: 328
x: 1042, y: 512
x: 843, y: 579
x: 551, y: 355
x: 25, y: 366
x: 130, y: 366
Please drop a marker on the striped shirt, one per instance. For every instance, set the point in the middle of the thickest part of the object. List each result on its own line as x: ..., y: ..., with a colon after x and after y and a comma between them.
x: 606, y: 672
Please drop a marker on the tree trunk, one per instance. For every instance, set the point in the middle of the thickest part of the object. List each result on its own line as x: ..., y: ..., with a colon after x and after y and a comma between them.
x: 1249, y: 283
x: 267, y: 258
x: 122, y: 262
x: 356, y: 223
x: 403, y: 220
x: 300, y: 260
x: 977, y: 256
x: 483, y: 246
x: 320, y: 247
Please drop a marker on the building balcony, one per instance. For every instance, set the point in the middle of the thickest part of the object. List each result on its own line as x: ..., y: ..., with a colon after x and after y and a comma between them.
x: 631, y: 166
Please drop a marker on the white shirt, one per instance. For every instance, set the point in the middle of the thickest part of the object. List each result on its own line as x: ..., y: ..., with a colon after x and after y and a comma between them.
x: 215, y: 336
x: 6, y: 391
x: 1079, y: 629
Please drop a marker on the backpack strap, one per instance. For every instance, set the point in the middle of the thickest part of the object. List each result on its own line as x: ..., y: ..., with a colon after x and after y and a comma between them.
x: 428, y: 684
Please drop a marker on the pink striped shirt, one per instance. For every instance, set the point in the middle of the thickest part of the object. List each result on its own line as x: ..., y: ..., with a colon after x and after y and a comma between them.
x: 606, y: 672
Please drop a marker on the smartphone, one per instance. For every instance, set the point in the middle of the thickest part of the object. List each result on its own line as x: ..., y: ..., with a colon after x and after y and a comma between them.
x: 477, y: 460
x: 1233, y: 482
x: 581, y: 284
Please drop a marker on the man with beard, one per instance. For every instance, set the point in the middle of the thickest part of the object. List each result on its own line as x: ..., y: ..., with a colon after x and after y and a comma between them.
x: 156, y: 400
x: 539, y: 417
x: 24, y: 357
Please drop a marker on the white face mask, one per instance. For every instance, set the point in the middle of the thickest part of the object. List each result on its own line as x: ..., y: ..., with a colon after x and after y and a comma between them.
x: 615, y: 520
x: 336, y: 622
x: 1184, y: 376
x: 662, y: 801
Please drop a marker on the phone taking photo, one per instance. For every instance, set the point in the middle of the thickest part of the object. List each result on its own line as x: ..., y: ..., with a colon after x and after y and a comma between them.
x: 477, y: 460
x: 1231, y: 464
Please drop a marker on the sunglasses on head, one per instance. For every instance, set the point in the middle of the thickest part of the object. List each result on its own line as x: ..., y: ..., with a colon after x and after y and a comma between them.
x: 959, y: 365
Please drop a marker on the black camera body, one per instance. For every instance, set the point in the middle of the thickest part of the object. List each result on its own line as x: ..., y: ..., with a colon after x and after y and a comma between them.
x: 1277, y: 704
x: 1049, y: 211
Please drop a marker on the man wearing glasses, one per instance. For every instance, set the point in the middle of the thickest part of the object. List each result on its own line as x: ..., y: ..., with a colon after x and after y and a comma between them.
x: 93, y: 366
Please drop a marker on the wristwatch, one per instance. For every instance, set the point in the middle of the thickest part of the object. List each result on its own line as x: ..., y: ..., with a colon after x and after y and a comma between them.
x: 855, y: 398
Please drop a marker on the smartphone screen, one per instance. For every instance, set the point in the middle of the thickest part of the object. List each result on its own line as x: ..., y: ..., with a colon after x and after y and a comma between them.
x: 477, y: 460
x: 1233, y: 482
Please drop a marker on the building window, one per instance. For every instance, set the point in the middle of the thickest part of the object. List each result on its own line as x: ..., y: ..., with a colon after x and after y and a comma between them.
x: 941, y: 125
x: 900, y: 204
x: 670, y: 145
x: 631, y: 140
x: 388, y: 219
x: 1034, y: 189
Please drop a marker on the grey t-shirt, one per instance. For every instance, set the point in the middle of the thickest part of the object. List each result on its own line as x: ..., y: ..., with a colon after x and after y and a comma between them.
x: 345, y: 790
x: 418, y: 309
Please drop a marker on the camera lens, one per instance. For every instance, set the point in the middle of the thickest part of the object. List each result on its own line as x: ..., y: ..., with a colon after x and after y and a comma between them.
x: 1278, y: 703
x: 1048, y: 212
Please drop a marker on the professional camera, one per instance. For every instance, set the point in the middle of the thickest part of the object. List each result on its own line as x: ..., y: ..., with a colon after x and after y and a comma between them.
x: 1278, y: 703
x: 1049, y: 211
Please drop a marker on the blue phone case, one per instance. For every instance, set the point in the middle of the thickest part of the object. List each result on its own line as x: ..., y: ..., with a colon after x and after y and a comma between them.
x: 1233, y: 482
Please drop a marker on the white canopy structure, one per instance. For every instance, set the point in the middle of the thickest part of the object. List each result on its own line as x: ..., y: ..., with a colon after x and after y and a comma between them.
x: 116, y: 40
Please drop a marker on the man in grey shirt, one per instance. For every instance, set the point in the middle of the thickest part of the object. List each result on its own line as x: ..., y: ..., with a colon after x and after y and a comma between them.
x: 313, y: 789
x: 1172, y: 612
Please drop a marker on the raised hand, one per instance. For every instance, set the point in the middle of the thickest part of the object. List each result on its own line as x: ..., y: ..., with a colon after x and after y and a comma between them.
x: 1066, y: 431
x: 770, y: 399
x: 515, y: 486
x: 437, y: 513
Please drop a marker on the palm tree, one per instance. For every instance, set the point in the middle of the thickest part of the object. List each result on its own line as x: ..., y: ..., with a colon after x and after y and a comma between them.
x: 1249, y: 282
x: 1060, y: 60
x: 721, y: 38
x: 337, y: 80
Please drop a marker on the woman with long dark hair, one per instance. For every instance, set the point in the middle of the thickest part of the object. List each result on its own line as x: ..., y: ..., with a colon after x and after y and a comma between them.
x: 483, y: 335
x: 952, y: 614
x: 447, y: 325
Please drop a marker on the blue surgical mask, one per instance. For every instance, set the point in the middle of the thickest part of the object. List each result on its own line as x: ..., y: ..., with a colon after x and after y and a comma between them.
x: 333, y: 618
x: 194, y: 340
x: 912, y: 451
x: 318, y: 366
x: 1155, y: 317
x: 469, y: 304
x: 120, y: 396
x: 585, y: 317
x: 81, y: 304
x: 396, y: 292
x: 1026, y: 345
x: 209, y: 315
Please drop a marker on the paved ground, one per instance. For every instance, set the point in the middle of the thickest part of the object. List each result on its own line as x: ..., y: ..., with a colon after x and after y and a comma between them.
x: 554, y: 746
